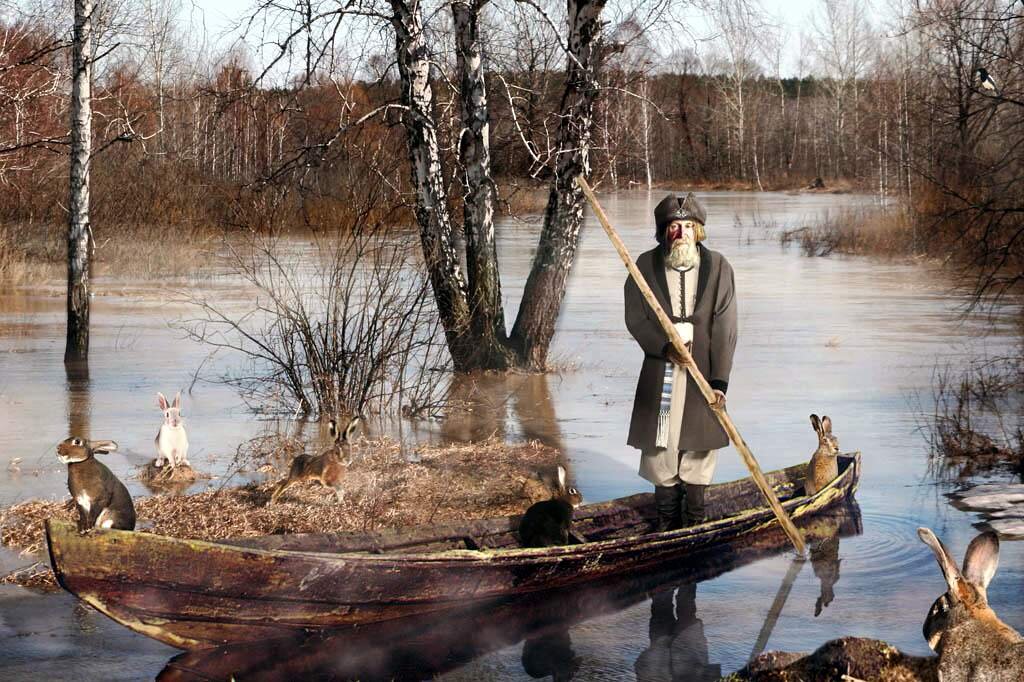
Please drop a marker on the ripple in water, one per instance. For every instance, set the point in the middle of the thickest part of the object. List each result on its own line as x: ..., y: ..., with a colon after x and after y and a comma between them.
x: 888, y: 548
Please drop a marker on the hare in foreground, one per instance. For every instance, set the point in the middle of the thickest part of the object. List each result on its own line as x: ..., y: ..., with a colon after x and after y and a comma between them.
x: 328, y: 467
x: 547, y: 523
x: 823, y: 467
x: 102, y: 500
x: 171, y: 441
x: 971, y: 641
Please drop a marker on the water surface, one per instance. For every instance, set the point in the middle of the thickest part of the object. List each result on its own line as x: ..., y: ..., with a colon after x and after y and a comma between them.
x: 855, y: 338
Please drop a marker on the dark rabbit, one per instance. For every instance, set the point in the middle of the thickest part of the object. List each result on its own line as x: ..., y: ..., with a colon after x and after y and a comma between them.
x: 823, y: 467
x: 328, y: 467
x: 102, y: 500
x: 547, y: 523
x: 971, y: 641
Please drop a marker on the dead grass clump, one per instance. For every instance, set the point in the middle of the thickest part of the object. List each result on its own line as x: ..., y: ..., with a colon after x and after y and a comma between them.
x: 449, y: 483
x: 862, y: 231
x: 968, y: 407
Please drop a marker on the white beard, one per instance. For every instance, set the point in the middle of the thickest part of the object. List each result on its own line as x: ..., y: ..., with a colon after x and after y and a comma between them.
x: 683, y: 255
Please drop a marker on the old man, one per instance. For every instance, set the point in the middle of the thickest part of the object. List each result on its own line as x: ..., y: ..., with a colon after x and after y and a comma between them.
x: 672, y: 424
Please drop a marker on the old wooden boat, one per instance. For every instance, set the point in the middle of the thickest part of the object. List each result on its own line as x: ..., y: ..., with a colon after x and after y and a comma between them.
x: 424, y: 646
x: 193, y: 594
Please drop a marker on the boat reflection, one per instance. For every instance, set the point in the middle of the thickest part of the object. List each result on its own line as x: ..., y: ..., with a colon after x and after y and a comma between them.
x: 421, y: 647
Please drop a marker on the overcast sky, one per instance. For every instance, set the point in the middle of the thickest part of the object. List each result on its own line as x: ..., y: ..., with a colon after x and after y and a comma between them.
x: 220, y: 16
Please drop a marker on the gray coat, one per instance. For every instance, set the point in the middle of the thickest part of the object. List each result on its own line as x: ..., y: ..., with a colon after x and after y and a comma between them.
x: 714, y: 342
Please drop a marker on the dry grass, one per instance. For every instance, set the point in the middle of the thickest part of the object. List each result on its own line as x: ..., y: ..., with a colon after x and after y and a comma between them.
x: 861, y: 231
x: 446, y: 484
x: 35, y: 253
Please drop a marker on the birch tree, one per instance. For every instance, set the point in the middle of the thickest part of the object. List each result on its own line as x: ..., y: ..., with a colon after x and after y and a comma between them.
x: 79, y: 230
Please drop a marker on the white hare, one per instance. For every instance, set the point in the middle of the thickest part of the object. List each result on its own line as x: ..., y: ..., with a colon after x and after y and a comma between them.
x: 171, y: 440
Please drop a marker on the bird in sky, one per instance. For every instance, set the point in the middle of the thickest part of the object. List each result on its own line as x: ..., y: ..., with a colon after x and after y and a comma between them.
x: 987, y: 82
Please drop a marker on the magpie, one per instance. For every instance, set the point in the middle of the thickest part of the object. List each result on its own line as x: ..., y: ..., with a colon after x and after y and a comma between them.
x: 987, y: 82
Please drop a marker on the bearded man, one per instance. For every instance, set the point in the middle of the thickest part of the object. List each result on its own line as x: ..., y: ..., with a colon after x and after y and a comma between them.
x: 672, y: 425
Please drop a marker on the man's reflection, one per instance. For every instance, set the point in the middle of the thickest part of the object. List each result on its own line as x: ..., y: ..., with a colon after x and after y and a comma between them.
x: 825, y: 561
x: 550, y: 655
x: 679, y: 649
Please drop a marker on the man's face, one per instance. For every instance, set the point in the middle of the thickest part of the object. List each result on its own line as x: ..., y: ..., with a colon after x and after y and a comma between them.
x: 678, y: 229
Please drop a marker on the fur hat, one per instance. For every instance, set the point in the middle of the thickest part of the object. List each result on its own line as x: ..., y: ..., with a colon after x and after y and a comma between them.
x: 677, y: 207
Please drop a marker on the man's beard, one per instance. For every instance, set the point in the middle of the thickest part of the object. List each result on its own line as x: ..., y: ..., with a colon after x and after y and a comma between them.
x: 683, y: 255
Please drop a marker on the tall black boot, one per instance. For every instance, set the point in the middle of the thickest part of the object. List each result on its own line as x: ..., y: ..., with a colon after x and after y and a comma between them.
x: 666, y: 501
x: 693, y: 505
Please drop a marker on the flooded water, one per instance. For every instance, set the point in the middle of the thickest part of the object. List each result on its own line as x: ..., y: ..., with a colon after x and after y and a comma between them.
x: 855, y: 338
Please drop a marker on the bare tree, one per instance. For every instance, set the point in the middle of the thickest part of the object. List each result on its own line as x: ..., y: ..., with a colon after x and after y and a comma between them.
x: 79, y: 231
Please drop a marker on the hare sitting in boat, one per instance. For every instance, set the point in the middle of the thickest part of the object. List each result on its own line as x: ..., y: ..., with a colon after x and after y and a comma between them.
x: 102, y: 500
x: 971, y: 641
x: 328, y: 467
x: 823, y: 467
x: 547, y: 523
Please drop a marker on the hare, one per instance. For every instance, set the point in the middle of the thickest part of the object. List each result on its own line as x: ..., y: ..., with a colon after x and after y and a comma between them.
x: 102, y: 500
x: 823, y: 467
x: 328, y: 467
x: 971, y: 641
x: 171, y: 440
x: 547, y: 523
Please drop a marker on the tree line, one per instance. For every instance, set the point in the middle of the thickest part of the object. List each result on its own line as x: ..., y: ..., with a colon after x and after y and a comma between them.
x: 443, y: 111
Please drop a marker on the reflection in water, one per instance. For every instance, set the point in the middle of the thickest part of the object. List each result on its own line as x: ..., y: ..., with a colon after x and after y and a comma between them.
x: 679, y: 648
x: 551, y: 655
x: 825, y: 561
x: 79, y: 405
x: 481, y: 404
x: 421, y: 647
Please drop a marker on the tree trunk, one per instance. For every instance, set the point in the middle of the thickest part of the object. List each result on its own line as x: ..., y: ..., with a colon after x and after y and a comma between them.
x: 432, y: 215
x: 79, y: 232
x: 545, y: 287
x: 487, y: 317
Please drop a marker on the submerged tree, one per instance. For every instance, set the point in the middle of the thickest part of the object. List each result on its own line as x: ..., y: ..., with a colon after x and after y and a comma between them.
x: 471, y: 310
x: 79, y: 232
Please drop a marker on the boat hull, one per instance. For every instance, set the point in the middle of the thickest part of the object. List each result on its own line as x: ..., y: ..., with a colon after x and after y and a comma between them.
x: 194, y: 594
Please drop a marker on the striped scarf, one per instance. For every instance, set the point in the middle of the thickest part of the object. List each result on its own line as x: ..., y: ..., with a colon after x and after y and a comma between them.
x: 686, y: 331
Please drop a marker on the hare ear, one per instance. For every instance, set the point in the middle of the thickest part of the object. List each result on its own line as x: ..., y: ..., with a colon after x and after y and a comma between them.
x: 816, y: 423
x: 982, y: 559
x: 350, y: 430
x: 102, y: 447
x: 561, y: 477
x: 949, y: 569
x: 161, y: 401
x: 332, y: 428
x: 826, y: 424
x: 177, y: 400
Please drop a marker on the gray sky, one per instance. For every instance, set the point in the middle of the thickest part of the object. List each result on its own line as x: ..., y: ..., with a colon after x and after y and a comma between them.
x: 220, y: 16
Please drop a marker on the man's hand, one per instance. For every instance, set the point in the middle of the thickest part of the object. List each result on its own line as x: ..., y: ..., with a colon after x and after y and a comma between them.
x: 720, y: 402
x: 676, y: 357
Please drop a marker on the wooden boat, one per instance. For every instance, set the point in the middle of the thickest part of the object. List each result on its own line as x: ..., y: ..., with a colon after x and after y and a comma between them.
x: 193, y: 594
x: 424, y: 646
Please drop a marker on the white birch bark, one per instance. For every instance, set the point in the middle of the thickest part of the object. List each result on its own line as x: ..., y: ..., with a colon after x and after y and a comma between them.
x: 79, y: 231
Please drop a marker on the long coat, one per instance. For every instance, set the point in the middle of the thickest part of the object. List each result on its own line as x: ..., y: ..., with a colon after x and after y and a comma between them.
x: 714, y: 342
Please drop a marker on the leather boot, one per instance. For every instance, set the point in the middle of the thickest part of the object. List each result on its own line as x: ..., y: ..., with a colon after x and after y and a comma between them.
x: 692, y: 507
x: 667, y: 502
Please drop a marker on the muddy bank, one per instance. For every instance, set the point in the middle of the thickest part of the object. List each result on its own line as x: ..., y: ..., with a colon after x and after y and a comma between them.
x: 382, y: 489
x: 850, y: 659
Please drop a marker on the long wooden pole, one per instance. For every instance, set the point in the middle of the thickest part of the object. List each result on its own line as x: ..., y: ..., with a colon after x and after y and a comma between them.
x: 723, y: 417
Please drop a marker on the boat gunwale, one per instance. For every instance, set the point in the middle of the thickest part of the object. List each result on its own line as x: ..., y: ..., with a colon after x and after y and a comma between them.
x: 502, y: 555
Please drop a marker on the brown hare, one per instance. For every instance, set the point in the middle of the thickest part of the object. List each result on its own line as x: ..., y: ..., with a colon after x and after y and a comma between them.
x: 547, y: 523
x: 328, y: 467
x: 823, y: 467
x: 101, y: 499
x: 971, y: 641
